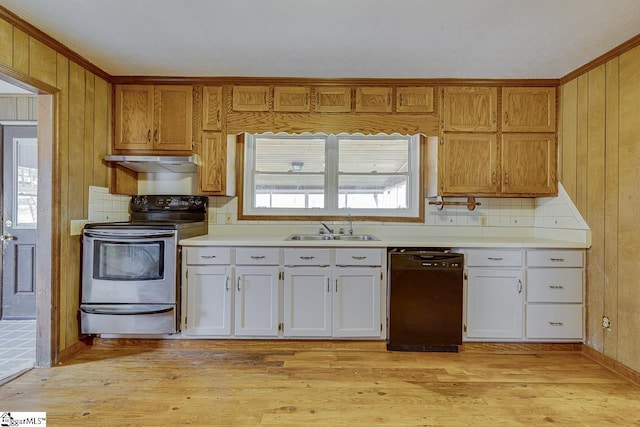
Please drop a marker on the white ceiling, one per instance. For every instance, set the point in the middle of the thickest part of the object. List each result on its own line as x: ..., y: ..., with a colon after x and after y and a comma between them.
x: 336, y: 38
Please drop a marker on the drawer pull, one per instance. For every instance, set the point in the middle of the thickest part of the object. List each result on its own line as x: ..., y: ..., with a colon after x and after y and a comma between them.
x: 495, y: 258
x: 207, y: 256
x: 556, y: 323
x: 556, y: 286
x: 328, y: 284
x: 307, y: 257
x: 557, y: 259
x: 359, y: 258
x: 258, y: 256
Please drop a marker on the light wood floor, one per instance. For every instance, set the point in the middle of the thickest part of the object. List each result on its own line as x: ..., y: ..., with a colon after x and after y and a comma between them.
x: 206, y: 383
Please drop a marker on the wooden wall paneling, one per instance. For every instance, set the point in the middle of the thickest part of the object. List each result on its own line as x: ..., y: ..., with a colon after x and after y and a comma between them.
x: 101, y: 141
x: 569, y: 138
x: 628, y: 323
x: 6, y: 43
x: 42, y: 62
x: 18, y: 107
x: 611, y: 208
x: 595, y: 203
x: 66, y: 272
x: 581, y: 145
x: 20, y: 51
x: 89, y: 109
x: 77, y: 90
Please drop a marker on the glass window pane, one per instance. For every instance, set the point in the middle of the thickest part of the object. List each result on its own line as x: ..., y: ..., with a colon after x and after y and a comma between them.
x: 289, y: 155
x: 289, y: 190
x: 373, y: 192
x: 373, y: 155
x: 26, y: 182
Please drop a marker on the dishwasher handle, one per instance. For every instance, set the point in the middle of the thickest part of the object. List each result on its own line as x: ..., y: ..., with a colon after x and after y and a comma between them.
x: 415, y: 261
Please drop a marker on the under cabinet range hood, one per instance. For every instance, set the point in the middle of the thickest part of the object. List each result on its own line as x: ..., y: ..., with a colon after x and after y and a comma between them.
x: 156, y: 164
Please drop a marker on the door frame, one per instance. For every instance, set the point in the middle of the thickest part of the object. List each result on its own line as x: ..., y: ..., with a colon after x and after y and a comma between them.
x: 48, y: 236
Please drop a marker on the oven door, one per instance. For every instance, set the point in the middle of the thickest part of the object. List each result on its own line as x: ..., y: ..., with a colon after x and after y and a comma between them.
x: 135, y: 267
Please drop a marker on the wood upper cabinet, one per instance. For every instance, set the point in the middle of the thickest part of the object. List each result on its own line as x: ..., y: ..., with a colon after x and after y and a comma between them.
x: 150, y: 118
x: 414, y: 99
x: 529, y: 164
x: 213, y: 163
x: 528, y: 109
x: 291, y: 98
x: 373, y: 100
x: 212, y: 116
x: 468, y: 164
x: 251, y: 98
x: 470, y: 109
x: 333, y: 99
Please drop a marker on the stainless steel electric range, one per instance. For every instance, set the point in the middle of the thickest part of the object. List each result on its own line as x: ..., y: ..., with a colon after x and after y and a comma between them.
x: 131, y: 270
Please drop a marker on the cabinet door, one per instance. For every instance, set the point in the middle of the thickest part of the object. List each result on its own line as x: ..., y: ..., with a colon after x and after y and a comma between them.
x: 356, y: 302
x: 291, y: 98
x: 307, y: 302
x: 469, y: 164
x: 251, y: 98
x: 529, y: 164
x: 414, y: 99
x: 470, y: 109
x: 333, y: 99
x: 212, y: 108
x: 256, y: 306
x: 528, y: 109
x: 494, y: 303
x: 208, y: 301
x: 373, y: 100
x: 212, y: 170
x: 134, y: 117
x: 174, y: 118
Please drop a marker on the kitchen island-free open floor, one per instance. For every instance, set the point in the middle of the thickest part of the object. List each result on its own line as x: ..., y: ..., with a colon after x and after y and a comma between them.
x: 232, y: 382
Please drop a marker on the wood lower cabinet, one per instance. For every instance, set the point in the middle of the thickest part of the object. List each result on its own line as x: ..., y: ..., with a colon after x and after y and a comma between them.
x: 528, y: 109
x: 468, y: 164
x: 153, y: 118
x: 529, y: 164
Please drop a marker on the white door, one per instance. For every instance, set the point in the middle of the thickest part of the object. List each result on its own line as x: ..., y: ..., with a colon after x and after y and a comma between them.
x: 256, y: 301
x: 307, y: 302
x: 494, y: 303
x: 208, y: 301
x: 356, y: 302
x: 19, y: 221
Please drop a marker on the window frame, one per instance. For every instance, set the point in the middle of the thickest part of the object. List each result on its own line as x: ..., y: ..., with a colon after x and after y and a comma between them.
x: 413, y: 213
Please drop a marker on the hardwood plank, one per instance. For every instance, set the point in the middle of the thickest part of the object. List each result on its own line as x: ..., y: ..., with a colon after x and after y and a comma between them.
x: 264, y: 382
x: 6, y: 43
x: 611, y: 207
x: 595, y: 196
x: 42, y: 62
x: 569, y: 137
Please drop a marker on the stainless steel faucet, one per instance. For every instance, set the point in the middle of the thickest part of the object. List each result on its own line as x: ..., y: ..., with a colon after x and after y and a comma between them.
x: 350, y: 225
x: 325, y: 226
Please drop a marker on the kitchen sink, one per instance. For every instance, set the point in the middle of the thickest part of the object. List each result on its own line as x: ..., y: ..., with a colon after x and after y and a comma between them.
x: 346, y: 237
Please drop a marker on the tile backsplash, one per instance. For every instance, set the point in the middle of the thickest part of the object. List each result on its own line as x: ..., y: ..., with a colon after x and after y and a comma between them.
x: 105, y: 207
x: 544, y: 212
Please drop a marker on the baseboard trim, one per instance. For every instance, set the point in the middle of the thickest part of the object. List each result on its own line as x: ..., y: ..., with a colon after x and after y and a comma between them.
x: 611, y: 364
x: 517, y: 347
x: 69, y: 352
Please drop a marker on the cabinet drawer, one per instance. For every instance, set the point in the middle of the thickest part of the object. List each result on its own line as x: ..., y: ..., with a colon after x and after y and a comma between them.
x: 554, y: 285
x: 358, y: 256
x: 208, y: 255
x: 257, y: 256
x: 307, y: 256
x: 554, y: 321
x: 555, y: 258
x: 494, y: 258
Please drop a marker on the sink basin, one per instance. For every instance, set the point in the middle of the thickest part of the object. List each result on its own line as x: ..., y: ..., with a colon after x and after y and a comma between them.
x: 346, y: 237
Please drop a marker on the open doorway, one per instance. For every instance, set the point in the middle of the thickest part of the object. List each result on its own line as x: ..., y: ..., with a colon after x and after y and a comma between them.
x: 18, y: 209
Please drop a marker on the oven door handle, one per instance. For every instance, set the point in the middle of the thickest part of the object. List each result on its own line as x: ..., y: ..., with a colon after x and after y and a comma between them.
x: 122, y: 311
x: 128, y: 236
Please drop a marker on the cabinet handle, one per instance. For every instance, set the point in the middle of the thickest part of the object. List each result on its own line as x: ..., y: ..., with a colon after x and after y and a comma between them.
x: 401, y: 100
x: 238, y: 284
x: 149, y: 135
x: 207, y: 256
x: 317, y: 99
x: 328, y: 284
x: 336, y: 285
x: 519, y: 286
x: 556, y: 286
x: 495, y: 258
x: 359, y: 258
x: 218, y: 116
x: 506, y: 178
x: 493, y: 178
x: 557, y: 259
x: 226, y: 284
x: 388, y: 100
x: 306, y: 99
x: 265, y: 97
x: 258, y: 256
x: 494, y: 117
x: 506, y: 117
x: 556, y: 323
x: 155, y: 135
x: 307, y: 257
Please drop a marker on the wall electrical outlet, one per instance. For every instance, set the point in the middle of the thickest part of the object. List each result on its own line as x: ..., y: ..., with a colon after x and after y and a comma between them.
x: 483, y: 221
x: 228, y: 219
x: 606, y: 323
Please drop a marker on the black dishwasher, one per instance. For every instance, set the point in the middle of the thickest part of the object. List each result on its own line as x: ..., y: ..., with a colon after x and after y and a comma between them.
x: 425, y: 308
